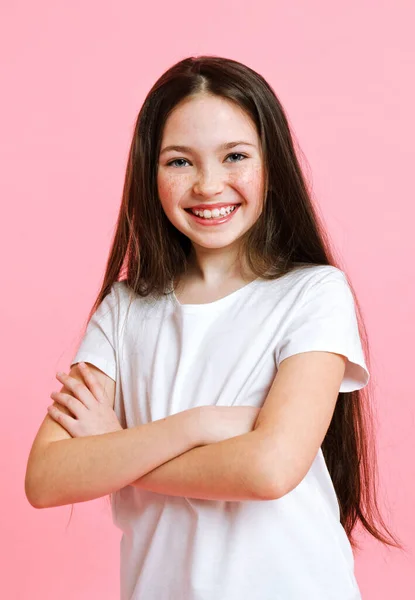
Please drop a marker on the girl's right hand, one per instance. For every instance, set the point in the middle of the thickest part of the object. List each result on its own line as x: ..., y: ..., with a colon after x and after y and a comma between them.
x: 224, y: 422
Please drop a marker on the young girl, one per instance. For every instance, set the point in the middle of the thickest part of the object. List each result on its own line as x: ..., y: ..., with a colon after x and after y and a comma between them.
x: 222, y: 406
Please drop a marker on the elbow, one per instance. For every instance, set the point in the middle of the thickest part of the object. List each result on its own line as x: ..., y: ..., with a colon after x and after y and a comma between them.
x: 274, y: 476
x: 268, y: 483
x: 275, y: 486
x: 267, y: 491
x: 40, y: 494
x: 33, y: 493
x: 35, y: 485
x: 33, y: 501
x: 264, y: 480
x: 38, y: 497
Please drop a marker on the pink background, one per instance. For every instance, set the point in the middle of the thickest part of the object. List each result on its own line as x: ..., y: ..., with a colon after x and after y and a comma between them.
x: 74, y: 77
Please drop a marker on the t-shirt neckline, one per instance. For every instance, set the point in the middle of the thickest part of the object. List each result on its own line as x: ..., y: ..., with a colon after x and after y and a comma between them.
x: 216, y: 304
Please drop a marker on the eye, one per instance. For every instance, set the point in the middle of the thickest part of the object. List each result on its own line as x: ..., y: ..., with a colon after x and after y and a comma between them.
x: 236, y: 154
x: 176, y: 160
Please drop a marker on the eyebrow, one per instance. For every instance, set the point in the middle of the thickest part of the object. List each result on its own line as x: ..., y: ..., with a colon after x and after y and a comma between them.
x: 221, y: 147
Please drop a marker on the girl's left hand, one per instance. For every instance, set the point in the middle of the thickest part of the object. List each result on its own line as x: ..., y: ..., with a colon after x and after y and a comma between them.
x: 92, y: 413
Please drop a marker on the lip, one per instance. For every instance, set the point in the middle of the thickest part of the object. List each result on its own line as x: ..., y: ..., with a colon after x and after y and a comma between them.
x: 213, y: 222
x: 212, y: 206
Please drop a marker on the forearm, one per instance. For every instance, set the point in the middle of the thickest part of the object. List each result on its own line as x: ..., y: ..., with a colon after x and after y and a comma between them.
x: 85, y: 468
x: 227, y: 470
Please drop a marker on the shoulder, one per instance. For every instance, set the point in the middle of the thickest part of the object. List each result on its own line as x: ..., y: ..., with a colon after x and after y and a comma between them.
x: 326, y: 282
x: 115, y: 302
x: 310, y: 288
x: 303, y: 278
x: 325, y: 292
x: 121, y: 294
x: 127, y: 303
x: 315, y: 274
x: 120, y: 288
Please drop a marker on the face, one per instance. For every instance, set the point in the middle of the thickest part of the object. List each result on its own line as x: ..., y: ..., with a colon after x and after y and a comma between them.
x: 206, y: 173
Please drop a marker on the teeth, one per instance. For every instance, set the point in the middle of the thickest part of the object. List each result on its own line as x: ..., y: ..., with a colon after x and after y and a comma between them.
x: 215, y: 213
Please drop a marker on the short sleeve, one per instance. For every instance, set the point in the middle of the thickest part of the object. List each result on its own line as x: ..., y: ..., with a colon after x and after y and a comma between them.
x: 98, y: 345
x: 326, y: 321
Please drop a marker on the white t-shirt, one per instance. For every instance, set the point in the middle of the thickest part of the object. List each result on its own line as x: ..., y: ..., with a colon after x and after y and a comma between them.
x: 167, y: 357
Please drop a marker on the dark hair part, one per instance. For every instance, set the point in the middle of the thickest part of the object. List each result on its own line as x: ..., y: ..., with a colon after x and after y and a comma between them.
x: 152, y: 253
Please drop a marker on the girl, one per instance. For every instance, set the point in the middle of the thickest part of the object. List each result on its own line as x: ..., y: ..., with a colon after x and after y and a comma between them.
x: 225, y: 372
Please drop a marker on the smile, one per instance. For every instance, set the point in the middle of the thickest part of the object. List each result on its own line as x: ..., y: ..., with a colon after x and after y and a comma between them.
x: 214, y: 217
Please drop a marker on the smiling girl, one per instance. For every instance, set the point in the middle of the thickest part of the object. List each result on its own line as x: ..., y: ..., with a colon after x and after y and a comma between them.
x: 222, y: 405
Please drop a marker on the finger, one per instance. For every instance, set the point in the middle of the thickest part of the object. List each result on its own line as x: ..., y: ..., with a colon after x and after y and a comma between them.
x: 78, y: 388
x: 63, y: 419
x: 76, y: 407
x: 92, y: 382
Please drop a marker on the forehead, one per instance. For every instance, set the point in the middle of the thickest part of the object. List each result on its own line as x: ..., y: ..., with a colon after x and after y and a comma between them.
x: 207, y: 120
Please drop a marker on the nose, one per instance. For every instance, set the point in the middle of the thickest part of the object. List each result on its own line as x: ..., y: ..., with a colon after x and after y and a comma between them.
x: 209, y: 182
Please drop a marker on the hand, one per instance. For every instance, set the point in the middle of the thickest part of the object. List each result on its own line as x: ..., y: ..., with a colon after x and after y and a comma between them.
x: 224, y: 422
x: 93, y: 415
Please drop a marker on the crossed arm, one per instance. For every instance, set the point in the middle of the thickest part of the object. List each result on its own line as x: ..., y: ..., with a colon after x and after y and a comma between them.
x: 226, y: 470
x: 285, y: 439
x: 287, y: 434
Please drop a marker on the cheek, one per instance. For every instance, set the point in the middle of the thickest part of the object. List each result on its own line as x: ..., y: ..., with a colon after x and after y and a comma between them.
x: 168, y: 187
x: 250, y: 181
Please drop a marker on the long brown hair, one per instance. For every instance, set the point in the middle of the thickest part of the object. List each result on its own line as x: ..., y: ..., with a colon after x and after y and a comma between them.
x: 148, y: 252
